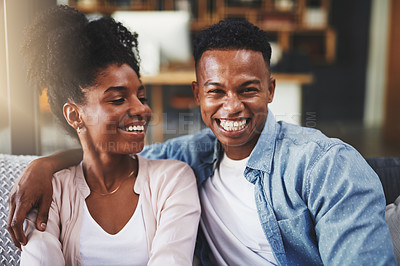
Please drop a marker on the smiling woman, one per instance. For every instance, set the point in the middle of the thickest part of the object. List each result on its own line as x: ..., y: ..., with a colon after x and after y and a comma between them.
x: 115, y: 207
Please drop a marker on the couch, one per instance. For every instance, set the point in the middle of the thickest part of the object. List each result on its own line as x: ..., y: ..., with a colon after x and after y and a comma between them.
x: 11, y: 166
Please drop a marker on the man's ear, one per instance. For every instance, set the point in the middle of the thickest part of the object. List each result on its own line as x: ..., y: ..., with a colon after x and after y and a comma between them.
x: 195, y: 89
x: 271, y: 89
x: 72, y: 115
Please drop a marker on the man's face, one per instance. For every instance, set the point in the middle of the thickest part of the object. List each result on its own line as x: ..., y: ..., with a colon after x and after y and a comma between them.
x: 233, y: 90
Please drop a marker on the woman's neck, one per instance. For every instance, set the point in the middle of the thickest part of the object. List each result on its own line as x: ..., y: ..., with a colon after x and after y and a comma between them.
x: 103, y: 172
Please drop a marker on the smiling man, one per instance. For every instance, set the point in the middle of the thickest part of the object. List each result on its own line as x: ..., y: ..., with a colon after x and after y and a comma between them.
x: 271, y: 192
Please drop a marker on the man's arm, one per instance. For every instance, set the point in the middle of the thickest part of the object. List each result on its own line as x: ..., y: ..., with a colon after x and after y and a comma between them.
x: 347, y: 202
x: 34, y: 189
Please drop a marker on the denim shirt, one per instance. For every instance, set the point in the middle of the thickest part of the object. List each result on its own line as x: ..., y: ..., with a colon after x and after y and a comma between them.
x: 318, y: 200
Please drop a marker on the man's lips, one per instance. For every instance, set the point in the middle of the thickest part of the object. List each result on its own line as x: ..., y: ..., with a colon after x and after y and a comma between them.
x: 233, y: 124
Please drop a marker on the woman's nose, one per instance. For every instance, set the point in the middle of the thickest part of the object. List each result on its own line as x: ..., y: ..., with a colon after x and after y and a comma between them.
x: 139, y: 108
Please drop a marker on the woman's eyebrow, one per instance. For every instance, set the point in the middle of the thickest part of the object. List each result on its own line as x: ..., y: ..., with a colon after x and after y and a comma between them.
x: 116, y: 88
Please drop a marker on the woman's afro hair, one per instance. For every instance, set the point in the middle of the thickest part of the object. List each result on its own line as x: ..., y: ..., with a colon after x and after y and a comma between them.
x: 232, y: 34
x: 65, y: 52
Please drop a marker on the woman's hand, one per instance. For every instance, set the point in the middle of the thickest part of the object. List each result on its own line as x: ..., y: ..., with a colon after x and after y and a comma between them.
x: 33, y: 190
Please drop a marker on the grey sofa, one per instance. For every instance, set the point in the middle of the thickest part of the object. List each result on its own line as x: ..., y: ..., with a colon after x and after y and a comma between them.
x: 11, y: 167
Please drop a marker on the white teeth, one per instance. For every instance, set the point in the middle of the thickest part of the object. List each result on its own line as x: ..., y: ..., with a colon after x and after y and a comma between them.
x: 232, y: 125
x: 134, y: 128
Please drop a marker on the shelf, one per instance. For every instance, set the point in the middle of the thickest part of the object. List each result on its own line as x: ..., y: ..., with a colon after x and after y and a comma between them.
x: 288, y: 19
x: 186, y: 77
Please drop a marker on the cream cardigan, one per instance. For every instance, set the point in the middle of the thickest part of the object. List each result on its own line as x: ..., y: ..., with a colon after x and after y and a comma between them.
x: 171, y: 212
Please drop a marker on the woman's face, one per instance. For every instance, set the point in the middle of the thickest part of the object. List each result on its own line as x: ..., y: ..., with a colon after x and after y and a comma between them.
x: 115, y: 114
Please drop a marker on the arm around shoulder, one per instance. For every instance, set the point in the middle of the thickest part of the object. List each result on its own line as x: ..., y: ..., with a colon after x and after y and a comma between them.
x: 34, y: 188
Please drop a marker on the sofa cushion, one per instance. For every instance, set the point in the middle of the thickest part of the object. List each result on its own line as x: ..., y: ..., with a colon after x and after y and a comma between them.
x: 388, y: 170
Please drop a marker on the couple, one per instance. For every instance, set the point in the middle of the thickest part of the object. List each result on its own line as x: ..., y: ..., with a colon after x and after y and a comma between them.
x: 271, y: 193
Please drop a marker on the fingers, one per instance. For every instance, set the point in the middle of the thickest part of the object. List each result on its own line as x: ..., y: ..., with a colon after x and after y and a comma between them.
x: 16, y: 218
x: 11, y: 207
x: 43, y: 214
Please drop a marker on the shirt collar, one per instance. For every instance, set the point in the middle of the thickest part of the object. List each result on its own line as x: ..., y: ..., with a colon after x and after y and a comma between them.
x: 80, y: 181
x: 262, y: 154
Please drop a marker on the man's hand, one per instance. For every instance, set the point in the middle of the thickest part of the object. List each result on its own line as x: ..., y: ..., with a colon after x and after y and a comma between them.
x: 33, y: 190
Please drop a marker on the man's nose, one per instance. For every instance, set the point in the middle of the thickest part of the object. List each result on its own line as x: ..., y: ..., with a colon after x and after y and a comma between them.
x: 233, y: 103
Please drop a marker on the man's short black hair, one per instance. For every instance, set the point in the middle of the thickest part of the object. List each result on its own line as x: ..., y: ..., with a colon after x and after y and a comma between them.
x: 232, y: 34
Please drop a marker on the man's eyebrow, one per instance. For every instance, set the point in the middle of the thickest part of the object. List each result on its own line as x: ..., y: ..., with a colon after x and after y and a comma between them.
x: 249, y: 82
x: 211, y: 83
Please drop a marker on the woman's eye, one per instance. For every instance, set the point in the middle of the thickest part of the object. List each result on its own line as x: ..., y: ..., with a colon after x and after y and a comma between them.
x: 118, y: 101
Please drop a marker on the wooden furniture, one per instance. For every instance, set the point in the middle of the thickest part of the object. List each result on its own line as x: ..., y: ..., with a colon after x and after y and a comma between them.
x: 392, y: 99
x: 293, y: 24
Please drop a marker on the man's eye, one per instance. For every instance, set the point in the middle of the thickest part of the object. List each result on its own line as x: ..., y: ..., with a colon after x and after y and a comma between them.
x: 118, y: 101
x: 215, y: 91
x: 143, y: 100
x: 250, y: 89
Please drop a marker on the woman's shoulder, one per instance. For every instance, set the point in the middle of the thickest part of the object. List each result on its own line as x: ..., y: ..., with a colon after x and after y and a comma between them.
x: 163, y: 164
x: 66, y: 178
x: 171, y: 169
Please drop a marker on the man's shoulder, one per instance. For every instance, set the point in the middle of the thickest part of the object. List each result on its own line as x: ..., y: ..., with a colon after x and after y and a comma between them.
x: 305, y: 137
x: 176, y: 148
x: 203, y: 136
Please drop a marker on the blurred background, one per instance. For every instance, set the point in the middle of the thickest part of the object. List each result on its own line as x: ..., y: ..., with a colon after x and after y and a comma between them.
x: 336, y: 62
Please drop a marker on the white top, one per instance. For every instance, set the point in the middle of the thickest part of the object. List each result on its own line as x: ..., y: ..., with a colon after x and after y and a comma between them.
x: 129, y: 246
x: 170, y: 208
x: 230, y: 219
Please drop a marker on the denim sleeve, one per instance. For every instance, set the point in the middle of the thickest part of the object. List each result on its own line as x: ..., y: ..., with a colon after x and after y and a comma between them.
x: 155, y: 151
x: 347, y: 203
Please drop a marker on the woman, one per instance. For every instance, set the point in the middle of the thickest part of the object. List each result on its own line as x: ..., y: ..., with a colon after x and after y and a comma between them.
x: 113, y: 208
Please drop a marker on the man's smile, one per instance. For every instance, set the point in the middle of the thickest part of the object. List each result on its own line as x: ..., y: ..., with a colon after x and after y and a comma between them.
x: 232, y: 124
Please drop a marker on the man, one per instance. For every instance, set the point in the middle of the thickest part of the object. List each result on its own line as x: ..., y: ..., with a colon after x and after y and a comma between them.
x: 271, y: 192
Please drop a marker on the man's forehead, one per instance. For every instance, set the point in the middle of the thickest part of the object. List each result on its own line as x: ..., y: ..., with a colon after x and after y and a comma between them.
x: 231, y: 62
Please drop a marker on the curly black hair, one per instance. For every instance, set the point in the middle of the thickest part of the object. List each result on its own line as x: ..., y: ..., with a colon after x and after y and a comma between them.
x: 232, y: 34
x: 65, y: 52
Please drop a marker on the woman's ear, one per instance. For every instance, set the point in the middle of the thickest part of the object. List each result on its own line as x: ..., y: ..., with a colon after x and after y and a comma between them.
x: 72, y: 115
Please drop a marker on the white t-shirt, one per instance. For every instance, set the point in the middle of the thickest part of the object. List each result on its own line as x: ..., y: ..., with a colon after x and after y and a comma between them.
x: 229, y: 217
x: 129, y: 246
